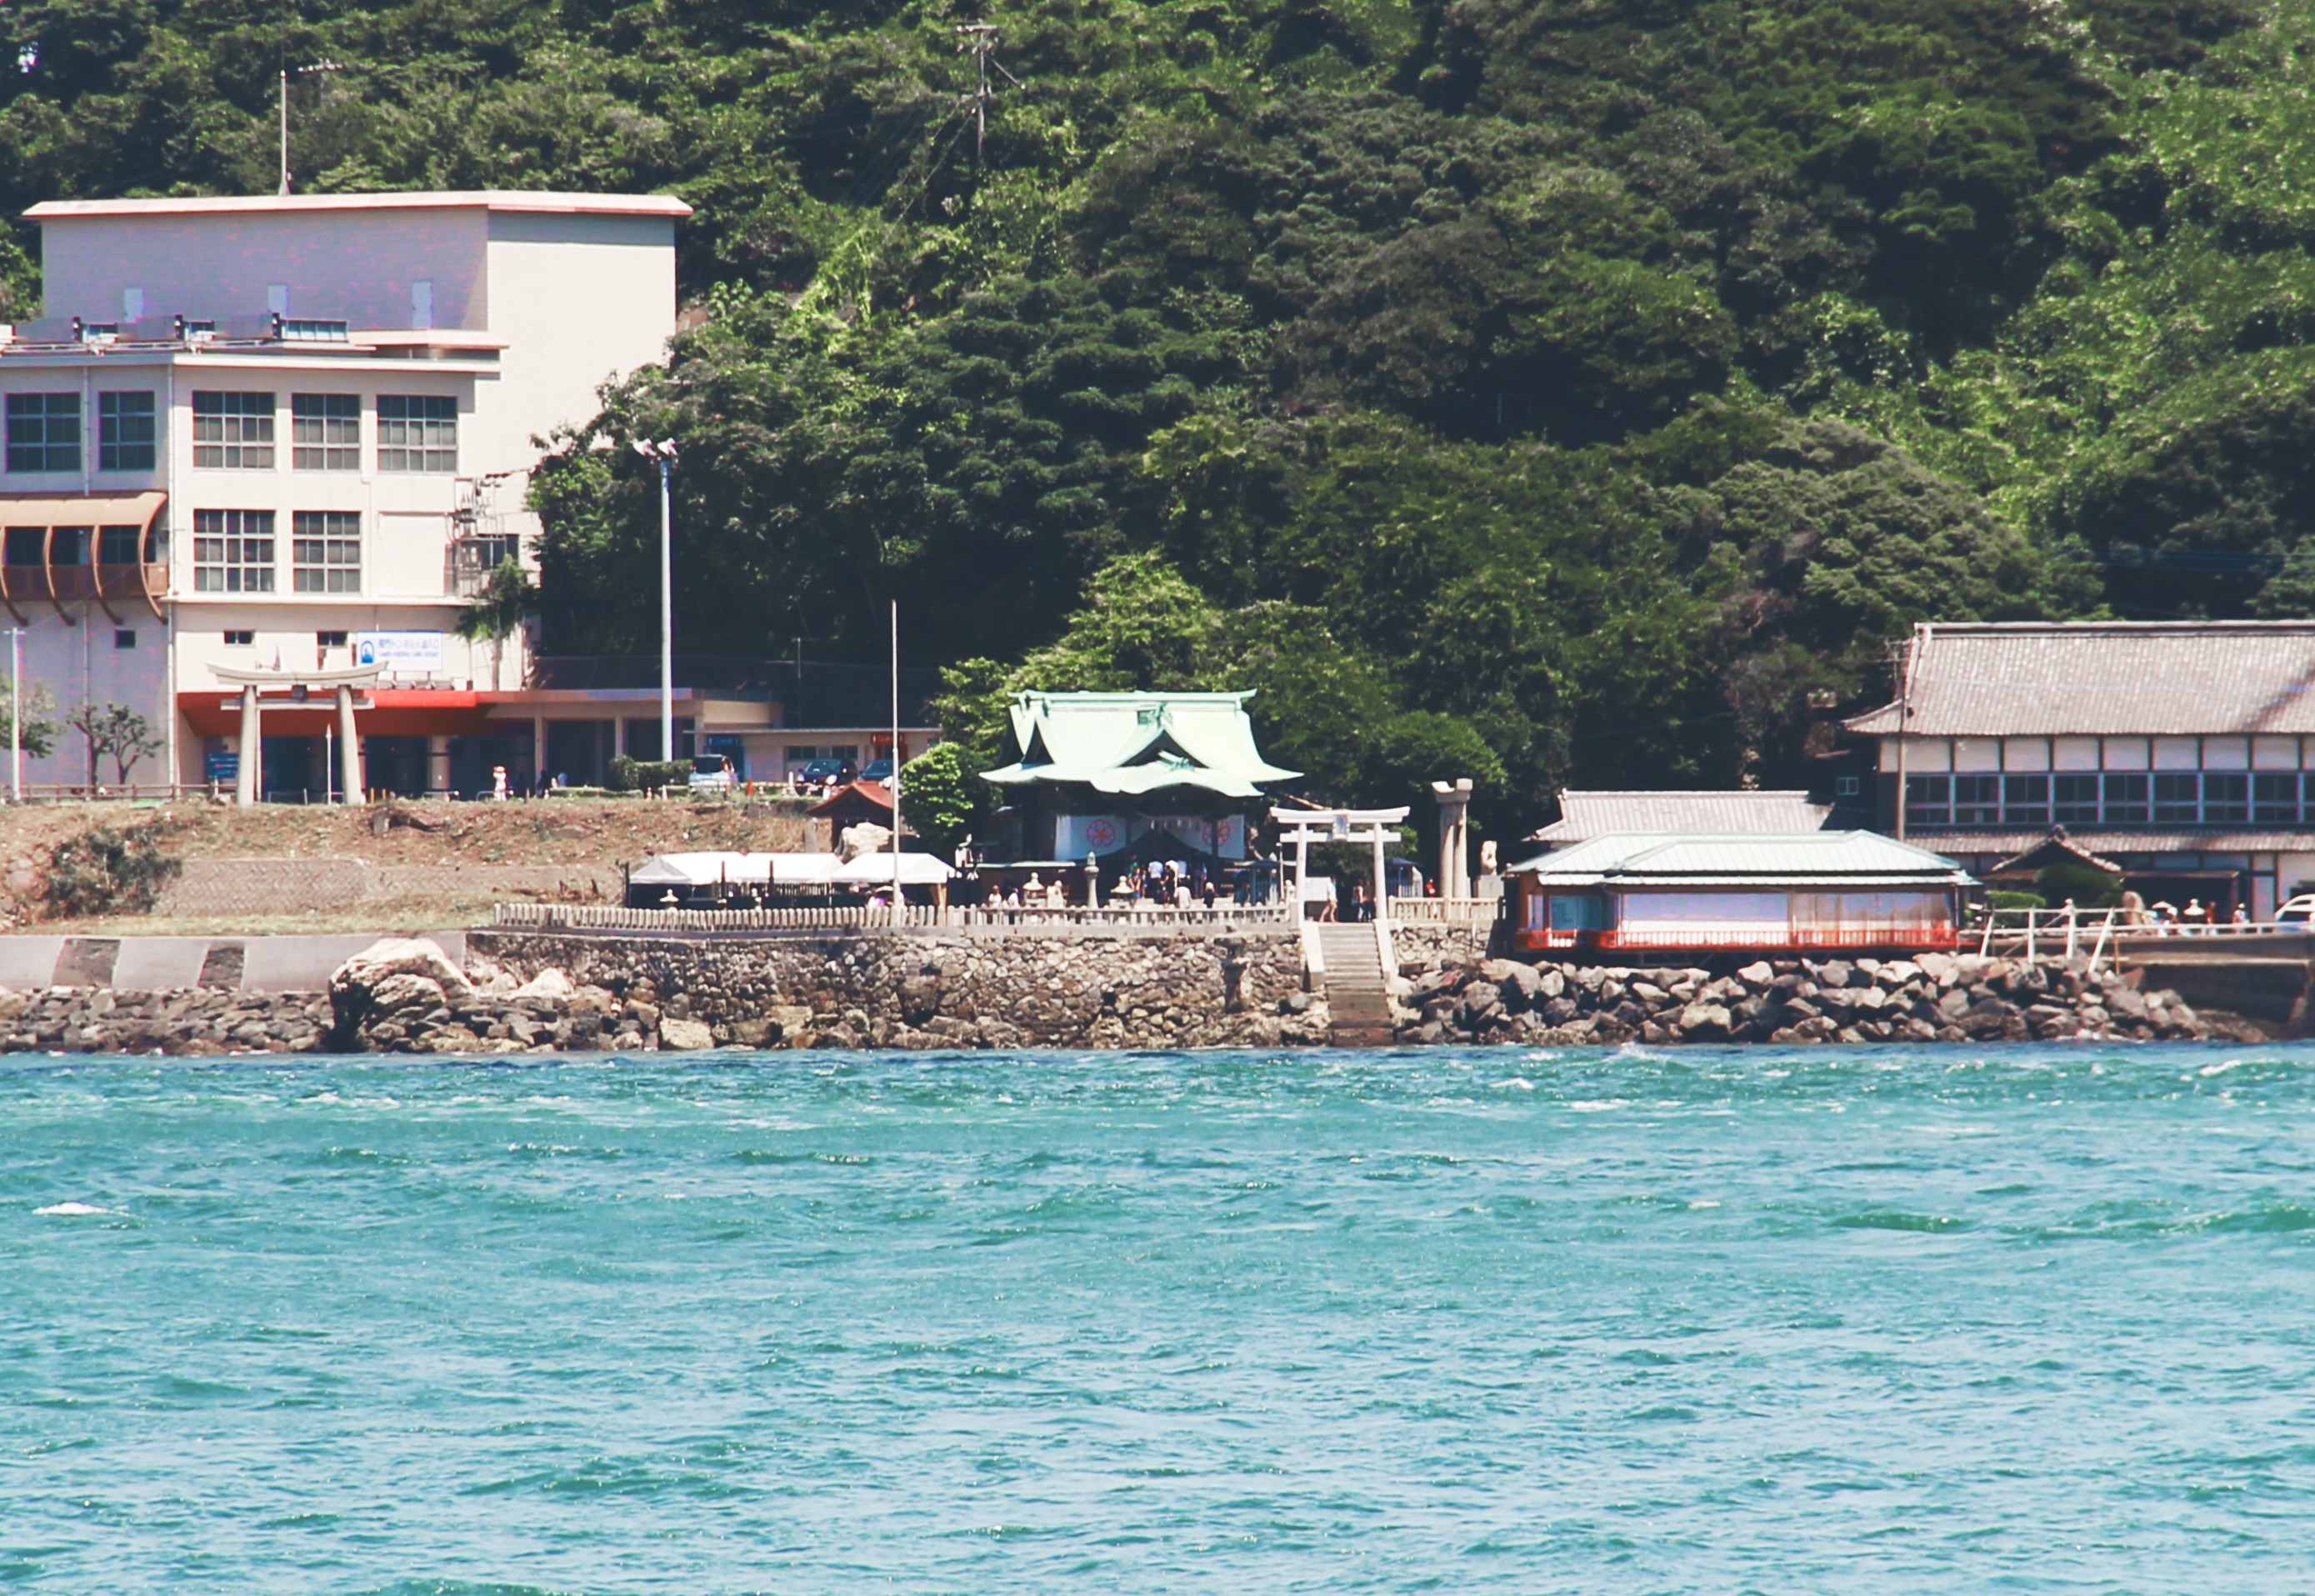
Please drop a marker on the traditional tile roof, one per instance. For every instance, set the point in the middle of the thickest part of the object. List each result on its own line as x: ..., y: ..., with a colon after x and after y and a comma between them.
x: 1838, y: 859
x: 1132, y: 743
x: 2004, y: 844
x: 1594, y: 814
x: 2118, y: 678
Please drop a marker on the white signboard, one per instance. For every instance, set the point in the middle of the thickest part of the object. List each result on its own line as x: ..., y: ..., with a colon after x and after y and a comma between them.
x: 404, y: 652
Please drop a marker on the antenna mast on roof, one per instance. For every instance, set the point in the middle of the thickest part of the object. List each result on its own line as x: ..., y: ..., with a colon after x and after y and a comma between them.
x: 980, y: 41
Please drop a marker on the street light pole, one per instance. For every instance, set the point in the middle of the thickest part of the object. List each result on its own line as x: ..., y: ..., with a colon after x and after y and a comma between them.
x: 661, y: 452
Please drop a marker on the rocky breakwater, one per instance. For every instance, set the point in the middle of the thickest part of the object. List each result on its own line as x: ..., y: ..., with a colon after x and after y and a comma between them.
x: 1933, y: 998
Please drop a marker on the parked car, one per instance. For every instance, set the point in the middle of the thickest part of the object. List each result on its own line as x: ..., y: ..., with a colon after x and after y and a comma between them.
x: 2298, y: 911
x: 828, y: 773
x: 713, y: 772
x: 876, y: 770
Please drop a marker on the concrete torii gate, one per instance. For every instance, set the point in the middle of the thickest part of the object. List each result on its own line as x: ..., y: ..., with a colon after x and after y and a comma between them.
x: 1303, y: 827
x: 286, y: 689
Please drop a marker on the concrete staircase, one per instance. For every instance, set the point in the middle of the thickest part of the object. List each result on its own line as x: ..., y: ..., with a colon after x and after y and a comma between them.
x: 1356, y: 1001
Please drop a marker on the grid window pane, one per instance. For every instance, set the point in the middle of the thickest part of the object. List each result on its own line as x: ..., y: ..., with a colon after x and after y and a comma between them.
x: 2074, y: 800
x: 2226, y: 798
x: 2025, y: 799
x: 44, y: 431
x: 233, y: 431
x: 2178, y: 798
x: 1929, y: 799
x: 68, y: 546
x: 325, y: 550
x: 417, y: 432
x: 325, y: 431
x: 2125, y: 799
x: 233, y: 551
x: 125, y: 431
x: 1977, y: 800
x: 2275, y: 797
x: 117, y: 545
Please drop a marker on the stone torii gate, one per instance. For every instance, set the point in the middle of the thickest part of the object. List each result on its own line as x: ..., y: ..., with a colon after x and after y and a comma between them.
x: 1303, y: 827
x: 296, y: 689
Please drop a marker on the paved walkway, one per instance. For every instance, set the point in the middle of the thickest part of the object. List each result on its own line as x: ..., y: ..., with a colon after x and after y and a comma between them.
x: 234, y: 963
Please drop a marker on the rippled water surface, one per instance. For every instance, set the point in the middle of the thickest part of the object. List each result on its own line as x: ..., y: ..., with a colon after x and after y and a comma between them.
x: 2021, y: 1319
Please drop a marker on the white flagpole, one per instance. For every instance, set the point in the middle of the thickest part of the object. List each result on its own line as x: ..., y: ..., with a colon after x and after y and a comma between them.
x: 899, y: 914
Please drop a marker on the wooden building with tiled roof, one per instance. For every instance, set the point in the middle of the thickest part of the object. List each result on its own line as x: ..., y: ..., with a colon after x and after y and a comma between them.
x: 2182, y: 751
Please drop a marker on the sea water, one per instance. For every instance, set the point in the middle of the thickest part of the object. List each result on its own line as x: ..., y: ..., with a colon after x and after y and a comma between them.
x: 2018, y: 1318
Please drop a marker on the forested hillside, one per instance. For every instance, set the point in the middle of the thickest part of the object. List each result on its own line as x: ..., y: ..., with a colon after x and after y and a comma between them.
x: 1543, y: 391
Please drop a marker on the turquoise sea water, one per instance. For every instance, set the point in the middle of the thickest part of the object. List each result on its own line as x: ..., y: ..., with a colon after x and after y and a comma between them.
x: 2017, y: 1320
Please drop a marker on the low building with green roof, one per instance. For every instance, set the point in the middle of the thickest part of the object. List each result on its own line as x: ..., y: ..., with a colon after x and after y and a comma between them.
x: 1129, y: 775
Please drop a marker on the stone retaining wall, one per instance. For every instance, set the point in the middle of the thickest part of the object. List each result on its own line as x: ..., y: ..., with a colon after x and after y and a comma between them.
x: 1232, y: 988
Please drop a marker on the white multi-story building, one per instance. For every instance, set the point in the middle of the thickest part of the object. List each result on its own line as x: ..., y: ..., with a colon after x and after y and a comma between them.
x: 294, y: 433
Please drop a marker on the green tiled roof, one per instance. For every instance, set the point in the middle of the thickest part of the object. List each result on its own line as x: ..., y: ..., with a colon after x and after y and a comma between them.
x: 1132, y: 743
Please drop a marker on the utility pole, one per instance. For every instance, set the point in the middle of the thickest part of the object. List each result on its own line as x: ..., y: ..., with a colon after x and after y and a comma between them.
x: 287, y: 72
x: 16, y: 714
x: 980, y: 42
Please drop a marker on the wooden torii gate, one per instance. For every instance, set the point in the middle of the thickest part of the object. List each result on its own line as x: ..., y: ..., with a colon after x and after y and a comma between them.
x: 298, y: 689
x: 1303, y: 827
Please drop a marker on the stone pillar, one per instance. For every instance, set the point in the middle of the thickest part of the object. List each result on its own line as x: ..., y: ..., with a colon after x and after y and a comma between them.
x: 1381, y: 881
x: 247, y: 783
x: 538, y: 771
x: 348, y: 747
x: 1454, y: 839
x: 438, y: 765
x: 1301, y: 873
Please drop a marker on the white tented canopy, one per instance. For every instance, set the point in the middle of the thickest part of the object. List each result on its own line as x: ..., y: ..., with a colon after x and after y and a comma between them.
x: 875, y: 870
x: 741, y: 870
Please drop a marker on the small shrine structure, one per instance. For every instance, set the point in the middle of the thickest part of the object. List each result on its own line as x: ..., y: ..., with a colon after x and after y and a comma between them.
x: 1119, y: 777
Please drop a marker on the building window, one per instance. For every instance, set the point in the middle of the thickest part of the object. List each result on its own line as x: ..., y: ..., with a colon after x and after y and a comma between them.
x: 123, y: 638
x: 2074, y: 800
x: 240, y: 639
x: 125, y: 431
x: 233, y: 552
x: 1977, y: 800
x: 2125, y: 801
x: 68, y: 546
x: 234, y: 431
x: 325, y: 550
x: 325, y: 431
x: 417, y: 432
x: 44, y: 431
x: 2026, y: 799
x: 117, y: 545
x: 2275, y: 797
x: 1845, y: 786
x: 329, y: 639
x: 2178, y: 798
x: 1928, y: 801
x: 2226, y: 798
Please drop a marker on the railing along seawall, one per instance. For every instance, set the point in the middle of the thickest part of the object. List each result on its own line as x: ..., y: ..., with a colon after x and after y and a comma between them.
x: 563, y: 916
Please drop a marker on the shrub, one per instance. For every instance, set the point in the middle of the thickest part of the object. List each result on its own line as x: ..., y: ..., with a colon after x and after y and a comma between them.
x: 2015, y: 901
x: 2089, y: 888
x: 103, y: 872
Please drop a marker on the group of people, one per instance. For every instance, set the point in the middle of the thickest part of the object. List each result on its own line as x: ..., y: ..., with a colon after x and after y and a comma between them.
x: 1353, y: 900
x: 1167, y: 884
x: 2166, y: 916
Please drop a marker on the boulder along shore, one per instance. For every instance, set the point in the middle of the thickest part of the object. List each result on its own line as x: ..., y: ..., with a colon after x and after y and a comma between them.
x: 1930, y: 998
x: 408, y: 997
